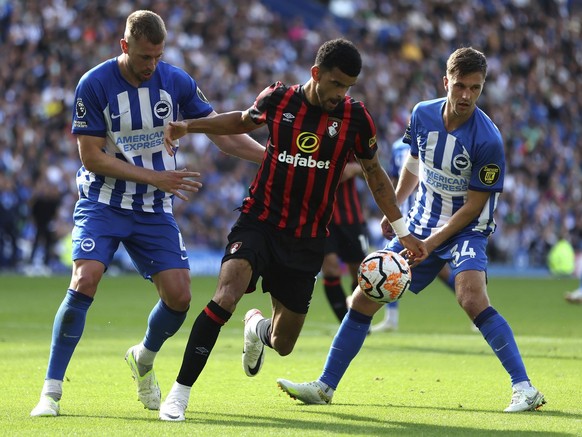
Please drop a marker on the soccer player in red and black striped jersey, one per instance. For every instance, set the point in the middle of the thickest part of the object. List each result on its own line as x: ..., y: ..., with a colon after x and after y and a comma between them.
x: 347, y: 242
x: 281, y: 231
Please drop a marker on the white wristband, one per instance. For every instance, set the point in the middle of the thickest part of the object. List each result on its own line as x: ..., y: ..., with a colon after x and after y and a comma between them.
x: 399, y: 227
x: 412, y: 165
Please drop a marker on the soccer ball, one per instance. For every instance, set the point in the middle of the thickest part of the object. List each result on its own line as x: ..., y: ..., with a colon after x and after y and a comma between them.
x: 384, y: 276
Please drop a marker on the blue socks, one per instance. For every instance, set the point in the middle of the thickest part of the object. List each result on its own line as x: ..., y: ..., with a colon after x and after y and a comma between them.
x: 345, y: 346
x: 163, y: 322
x: 69, y: 324
x: 498, y: 334
x: 354, y: 329
x: 67, y: 330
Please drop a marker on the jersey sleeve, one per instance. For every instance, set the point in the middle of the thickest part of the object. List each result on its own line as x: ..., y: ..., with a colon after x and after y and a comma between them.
x: 90, y: 103
x: 258, y: 111
x: 488, y: 169
x: 410, y: 135
x: 192, y: 101
x: 366, y: 145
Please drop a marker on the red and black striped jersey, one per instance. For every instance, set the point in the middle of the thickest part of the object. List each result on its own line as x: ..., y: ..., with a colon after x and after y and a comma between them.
x: 307, y: 150
x: 347, y: 209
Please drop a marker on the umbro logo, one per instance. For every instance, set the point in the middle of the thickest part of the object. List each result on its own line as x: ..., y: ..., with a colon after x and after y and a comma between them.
x: 287, y: 116
x: 201, y: 350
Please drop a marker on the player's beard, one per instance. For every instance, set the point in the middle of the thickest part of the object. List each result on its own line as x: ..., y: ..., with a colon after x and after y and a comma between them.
x: 141, y: 76
x: 145, y: 76
x: 325, y: 104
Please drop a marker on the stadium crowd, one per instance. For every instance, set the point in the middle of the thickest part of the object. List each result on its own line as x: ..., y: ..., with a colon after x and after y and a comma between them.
x: 236, y: 48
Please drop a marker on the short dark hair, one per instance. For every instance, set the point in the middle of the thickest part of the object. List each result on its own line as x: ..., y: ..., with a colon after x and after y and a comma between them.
x: 146, y: 24
x: 466, y: 60
x: 339, y: 53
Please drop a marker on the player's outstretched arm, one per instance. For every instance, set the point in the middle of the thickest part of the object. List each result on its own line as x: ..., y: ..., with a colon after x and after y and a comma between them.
x: 476, y: 201
x: 241, y: 146
x: 383, y: 192
x: 172, y: 133
x: 228, y: 123
x: 98, y: 162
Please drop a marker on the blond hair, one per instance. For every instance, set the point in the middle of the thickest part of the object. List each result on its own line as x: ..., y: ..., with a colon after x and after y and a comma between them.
x: 145, y: 24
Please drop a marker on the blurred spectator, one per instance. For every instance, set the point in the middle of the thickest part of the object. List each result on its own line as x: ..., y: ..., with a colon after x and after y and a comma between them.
x: 533, y: 92
x: 10, y: 216
x: 44, y: 205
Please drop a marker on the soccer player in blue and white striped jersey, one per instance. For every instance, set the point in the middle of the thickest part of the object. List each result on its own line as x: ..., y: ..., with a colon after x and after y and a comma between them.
x: 127, y: 185
x: 457, y: 160
x: 398, y: 158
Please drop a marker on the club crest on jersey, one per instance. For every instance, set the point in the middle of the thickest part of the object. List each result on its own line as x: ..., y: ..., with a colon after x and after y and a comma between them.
x: 489, y: 174
x: 461, y: 162
x: 163, y: 109
x: 234, y: 247
x: 333, y: 126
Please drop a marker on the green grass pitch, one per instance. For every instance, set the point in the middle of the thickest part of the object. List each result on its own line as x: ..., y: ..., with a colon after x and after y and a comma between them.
x: 432, y: 377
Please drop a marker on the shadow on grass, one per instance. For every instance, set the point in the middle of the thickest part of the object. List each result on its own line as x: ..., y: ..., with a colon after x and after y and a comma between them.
x: 332, y: 422
x: 446, y: 351
x: 542, y: 411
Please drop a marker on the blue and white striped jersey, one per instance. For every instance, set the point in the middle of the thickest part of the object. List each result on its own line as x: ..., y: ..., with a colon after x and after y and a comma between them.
x: 132, y: 122
x: 451, y: 163
x: 400, y: 152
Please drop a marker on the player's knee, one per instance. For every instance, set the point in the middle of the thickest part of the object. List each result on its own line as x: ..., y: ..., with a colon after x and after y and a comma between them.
x: 86, y: 284
x: 226, y: 300
x: 472, y: 301
x: 85, y: 281
x: 183, y: 301
x: 179, y: 301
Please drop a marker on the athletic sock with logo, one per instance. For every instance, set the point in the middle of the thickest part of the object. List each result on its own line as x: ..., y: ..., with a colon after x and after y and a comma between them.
x: 163, y: 322
x: 345, y: 346
x: 499, y: 336
x: 67, y: 330
x: 202, y: 338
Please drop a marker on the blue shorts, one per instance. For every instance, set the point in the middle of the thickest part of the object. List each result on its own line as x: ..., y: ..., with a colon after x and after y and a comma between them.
x: 152, y: 240
x: 462, y: 252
